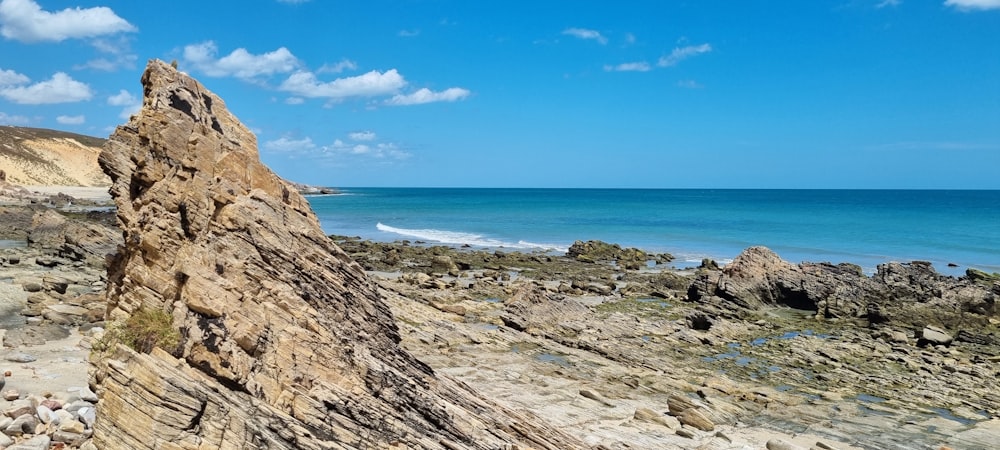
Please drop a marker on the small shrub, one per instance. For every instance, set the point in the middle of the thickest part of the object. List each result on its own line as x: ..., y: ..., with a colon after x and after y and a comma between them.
x: 144, y: 330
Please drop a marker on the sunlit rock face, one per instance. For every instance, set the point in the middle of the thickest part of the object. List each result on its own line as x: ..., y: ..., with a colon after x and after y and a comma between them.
x: 285, y: 343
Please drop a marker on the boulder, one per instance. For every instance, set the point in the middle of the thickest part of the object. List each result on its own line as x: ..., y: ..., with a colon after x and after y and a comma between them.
x: 694, y: 417
x: 932, y: 335
x: 285, y: 343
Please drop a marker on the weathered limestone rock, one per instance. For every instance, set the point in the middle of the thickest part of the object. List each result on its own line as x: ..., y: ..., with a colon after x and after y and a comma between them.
x: 934, y: 336
x: 906, y: 293
x: 532, y: 308
x: 285, y: 341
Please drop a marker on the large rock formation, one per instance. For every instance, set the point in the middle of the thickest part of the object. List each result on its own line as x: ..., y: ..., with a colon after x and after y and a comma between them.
x: 910, y: 294
x: 285, y: 342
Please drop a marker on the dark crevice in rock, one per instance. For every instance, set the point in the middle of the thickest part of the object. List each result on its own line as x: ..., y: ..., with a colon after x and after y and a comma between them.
x: 182, y: 208
x: 195, y: 422
x: 182, y: 105
x: 795, y: 298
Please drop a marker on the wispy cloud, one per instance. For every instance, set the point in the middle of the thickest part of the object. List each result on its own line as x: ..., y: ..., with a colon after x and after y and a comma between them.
x: 378, y: 151
x: 973, y: 5
x: 584, y: 33
x: 689, y: 84
x: 130, y: 104
x: 6, y: 119
x: 681, y: 53
x: 408, y: 33
x: 286, y: 144
x: 357, y: 148
x: 71, y: 120
x: 342, y: 65
x: 425, y: 95
x: 119, y: 55
x: 239, y: 63
x: 362, y: 136
x: 885, y: 3
x: 641, y: 66
x: 25, y: 21
x: 61, y: 88
x: 371, y: 84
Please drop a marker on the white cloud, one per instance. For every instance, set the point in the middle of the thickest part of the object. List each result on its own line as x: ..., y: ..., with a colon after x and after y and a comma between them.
x: 24, y: 20
x: 689, y: 84
x: 641, y: 66
x: 382, y: 150
x: 119, y: 52
x: 371, y: 84
x: 293, y: 2
x: 973, y: 5
x: 11, y: 78
x: 629, y: 39
x: 61, y: 88
x: 681, y: 53
x: 287, y: 145
x: 425, y: 95
x: 362, y: 136
x: 409, y: 33
x: 122, y: 98
x: 344, y: 64
x: 885, y: 3
x: 340, y: 152
x: 240, y: 63
x: 13, y: 120
x: 584, y: 33
x: 71, y: 120
x: 294, y: 101
x: 130, y: 104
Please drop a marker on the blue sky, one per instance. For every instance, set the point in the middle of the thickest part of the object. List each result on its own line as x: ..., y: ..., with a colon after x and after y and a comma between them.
x: 673, y: 94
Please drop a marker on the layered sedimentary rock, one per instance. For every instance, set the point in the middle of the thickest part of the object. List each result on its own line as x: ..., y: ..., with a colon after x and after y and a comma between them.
x: 285, y: 342
x: 906, y: 293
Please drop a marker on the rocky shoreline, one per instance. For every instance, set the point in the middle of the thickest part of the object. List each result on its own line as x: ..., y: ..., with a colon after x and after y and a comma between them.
x: 610, y: 344
x: 653, y: 336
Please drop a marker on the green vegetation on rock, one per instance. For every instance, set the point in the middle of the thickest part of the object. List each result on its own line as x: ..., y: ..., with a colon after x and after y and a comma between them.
x: 144, y: 330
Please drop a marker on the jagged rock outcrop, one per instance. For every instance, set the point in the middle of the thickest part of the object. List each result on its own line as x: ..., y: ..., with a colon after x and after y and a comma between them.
x: 285, y: 342
x: 907, y: 293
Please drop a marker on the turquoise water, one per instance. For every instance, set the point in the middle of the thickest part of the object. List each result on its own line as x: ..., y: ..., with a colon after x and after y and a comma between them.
x: 865, y: 227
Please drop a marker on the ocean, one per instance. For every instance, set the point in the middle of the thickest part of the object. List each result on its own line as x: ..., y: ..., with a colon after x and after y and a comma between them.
x: 864, y: 227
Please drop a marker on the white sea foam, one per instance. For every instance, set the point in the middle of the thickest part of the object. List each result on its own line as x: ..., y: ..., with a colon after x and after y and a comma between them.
x: 462, y: 238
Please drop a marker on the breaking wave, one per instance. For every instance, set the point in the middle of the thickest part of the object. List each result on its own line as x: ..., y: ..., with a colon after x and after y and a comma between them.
x: 462, y: 238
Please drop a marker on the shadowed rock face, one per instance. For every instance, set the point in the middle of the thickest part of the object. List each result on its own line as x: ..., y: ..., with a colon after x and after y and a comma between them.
x: 285, y: 342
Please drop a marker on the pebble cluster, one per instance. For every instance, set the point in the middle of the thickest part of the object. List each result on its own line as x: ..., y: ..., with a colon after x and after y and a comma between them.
x: 46, y: 420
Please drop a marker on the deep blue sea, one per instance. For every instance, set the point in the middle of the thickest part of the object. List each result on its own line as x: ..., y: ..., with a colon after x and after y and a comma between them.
x: 865, y: 227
